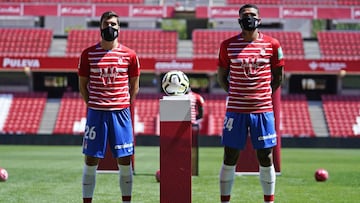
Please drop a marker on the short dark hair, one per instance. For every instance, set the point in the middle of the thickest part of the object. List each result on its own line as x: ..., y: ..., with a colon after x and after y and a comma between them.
x: 248, y: 6
x: 109, y: 14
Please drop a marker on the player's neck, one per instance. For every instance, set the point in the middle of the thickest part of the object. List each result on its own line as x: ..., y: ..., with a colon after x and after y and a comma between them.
x: 109, y: 45
x: 250, y: 35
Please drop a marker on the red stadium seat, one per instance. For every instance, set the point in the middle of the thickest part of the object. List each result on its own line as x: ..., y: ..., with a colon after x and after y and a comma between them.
x: 341, y: 114
x: 215, y: 107
x: 25, y: 113
x: 339, y: 45
x: 77, y: 1
x: 71, y: 115
x: 25, y: 42
x: 295, y: 117
x: 298, y: 2
x: 146, y: 114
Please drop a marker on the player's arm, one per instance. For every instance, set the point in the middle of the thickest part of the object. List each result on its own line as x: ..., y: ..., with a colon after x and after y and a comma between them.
x: 133, y: 87
x: 222, y: 78
x: 277, y: 77
x: 277, y: 65
x: 200, y: 113
x: 83, y: 88
x: 200, y: 107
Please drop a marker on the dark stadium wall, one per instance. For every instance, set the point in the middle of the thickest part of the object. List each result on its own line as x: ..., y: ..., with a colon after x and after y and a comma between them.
x: 313, y: 86
x: 55, y: 83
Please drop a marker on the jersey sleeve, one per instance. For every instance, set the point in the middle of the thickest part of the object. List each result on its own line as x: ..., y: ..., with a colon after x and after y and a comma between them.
x: 84, y: 66
x: 134, y: 67
x: 277, y: 59
x: 223, y: 60
x: 200, y: 100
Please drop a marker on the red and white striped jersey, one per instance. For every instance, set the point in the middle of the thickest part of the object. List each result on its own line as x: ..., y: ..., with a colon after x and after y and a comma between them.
x: 197, y: 101
x: 249, y: 65
x: 108, y: 72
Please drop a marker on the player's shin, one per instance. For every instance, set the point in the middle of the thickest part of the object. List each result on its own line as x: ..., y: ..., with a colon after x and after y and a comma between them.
x: 126, y: 182
x: 227, y: 174
x: 88, y: 182
x: 267, y: 180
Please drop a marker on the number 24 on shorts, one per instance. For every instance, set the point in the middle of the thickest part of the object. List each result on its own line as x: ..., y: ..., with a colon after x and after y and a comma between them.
x: 228, y: 123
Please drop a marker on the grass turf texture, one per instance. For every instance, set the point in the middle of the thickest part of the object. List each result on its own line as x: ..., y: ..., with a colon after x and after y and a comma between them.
x: 43, y: 174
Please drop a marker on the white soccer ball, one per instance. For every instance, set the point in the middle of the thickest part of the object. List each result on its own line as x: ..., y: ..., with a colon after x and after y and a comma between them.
x: 175, y: 83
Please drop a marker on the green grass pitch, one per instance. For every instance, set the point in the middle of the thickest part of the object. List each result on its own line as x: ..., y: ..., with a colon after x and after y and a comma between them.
x: 44, y: 174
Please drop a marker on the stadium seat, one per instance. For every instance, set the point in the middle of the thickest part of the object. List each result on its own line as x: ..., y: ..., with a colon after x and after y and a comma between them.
x: 206, y: 42
x: 147, y: 114
x: 341, y: 114
x: 25, y: 113
x: 297, y: 2
x: 295, y: 117
x: 146, y: 43
x: 215, y: 107
x: 5, y: 103
x: 25, y: 42
x: 339, y: 45
x: 71, y: 116
x: 78, y: 1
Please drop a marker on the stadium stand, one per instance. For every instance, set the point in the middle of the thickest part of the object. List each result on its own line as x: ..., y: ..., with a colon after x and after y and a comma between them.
x: 24, y: 114
x: 297, y: 2
x: 146, y: 43
x: 342, y: 113
x: 72, y: 115
x: 5, y: 103
x: 147, y: 114
x: 295, y: 116
x: 25, y: 42
x: 77, y: 1
x: 214, y: 108
x: 206, y: 42
x: 339, y: 45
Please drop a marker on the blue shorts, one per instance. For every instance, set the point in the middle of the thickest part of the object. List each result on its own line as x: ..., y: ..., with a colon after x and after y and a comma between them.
x: 237, y: 126
x: 113, y: 127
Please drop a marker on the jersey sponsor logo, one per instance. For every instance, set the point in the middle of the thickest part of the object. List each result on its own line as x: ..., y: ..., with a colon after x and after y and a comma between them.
x: 108, y: 75
x: 250, y: 65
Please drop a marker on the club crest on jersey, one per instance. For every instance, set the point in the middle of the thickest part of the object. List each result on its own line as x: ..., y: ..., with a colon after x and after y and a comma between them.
x: 108, y: 75
x: 120, y: 61
x: 262, y: 52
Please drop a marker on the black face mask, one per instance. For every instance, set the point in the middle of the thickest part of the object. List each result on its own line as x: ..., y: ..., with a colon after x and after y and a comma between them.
x: 109, y: 34
x: 249, y: 23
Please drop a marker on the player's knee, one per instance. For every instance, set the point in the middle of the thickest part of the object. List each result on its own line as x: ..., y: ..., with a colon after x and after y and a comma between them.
x: 230, y: 156
x: 91, y: 161
x: 124, y: 160
x: 264, y: 157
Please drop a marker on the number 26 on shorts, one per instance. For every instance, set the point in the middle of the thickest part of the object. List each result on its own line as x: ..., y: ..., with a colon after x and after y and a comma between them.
x: 90, y: 132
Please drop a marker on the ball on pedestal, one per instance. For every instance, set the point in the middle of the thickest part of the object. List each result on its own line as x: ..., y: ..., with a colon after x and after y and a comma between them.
x: 175, y: 83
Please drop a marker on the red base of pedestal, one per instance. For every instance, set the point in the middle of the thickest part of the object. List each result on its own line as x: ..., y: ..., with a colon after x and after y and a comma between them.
x: 108, y: 163
x: 175, y: 161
